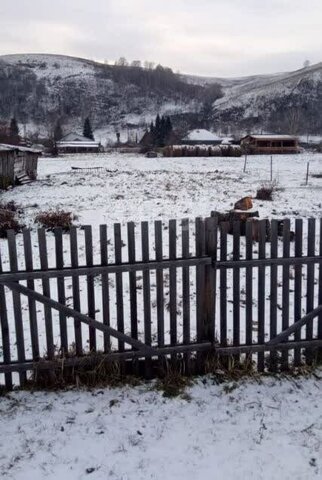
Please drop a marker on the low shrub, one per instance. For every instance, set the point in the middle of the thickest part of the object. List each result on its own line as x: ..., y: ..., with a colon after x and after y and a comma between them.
x: 265, y: 193
x: 55, y: 218
x: 8, y: 222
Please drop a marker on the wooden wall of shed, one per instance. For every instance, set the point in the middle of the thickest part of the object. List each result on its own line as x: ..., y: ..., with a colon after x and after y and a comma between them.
x: 7, y: 162
x: 32, y: 165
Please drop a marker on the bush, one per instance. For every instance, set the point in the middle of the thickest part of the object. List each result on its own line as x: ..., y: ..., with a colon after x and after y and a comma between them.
x: 8, y: 222
x: 55, y: 218
x: 265, y: 193
x: 11, y: 206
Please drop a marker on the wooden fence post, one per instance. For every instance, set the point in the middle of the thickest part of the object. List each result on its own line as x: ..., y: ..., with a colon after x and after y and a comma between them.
x: 209, y: 290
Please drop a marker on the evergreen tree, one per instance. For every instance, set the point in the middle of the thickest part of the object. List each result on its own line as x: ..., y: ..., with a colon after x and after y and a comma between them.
x: 13, y: 129
x: 58, y: 132
x: 87, y: 131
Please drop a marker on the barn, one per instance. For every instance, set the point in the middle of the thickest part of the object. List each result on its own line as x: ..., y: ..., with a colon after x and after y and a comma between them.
x: 18, y: 164
x: 270, y: 144
x: 74, y: 143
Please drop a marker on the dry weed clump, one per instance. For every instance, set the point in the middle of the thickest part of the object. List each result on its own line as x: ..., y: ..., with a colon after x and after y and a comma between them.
x: 8, y: 220
x: 265, y: 193
x: 56, y: 218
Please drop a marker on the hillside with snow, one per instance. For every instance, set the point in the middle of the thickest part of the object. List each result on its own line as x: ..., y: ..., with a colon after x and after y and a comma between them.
x: 41, y: 89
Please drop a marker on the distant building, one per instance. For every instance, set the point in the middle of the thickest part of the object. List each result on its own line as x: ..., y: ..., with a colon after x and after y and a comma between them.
x: 270, y: 144
x: 18, y: 164
x: 74, y: 143
x: 201, y: 137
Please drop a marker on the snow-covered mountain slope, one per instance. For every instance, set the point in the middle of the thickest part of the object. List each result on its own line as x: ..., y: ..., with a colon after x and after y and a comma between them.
x: 40, y: 89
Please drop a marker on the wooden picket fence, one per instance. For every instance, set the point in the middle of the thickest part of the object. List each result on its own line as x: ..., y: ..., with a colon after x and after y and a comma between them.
x: 220, y: 295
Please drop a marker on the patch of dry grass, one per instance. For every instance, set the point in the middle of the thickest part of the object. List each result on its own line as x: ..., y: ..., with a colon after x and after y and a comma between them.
x: 56, y: 218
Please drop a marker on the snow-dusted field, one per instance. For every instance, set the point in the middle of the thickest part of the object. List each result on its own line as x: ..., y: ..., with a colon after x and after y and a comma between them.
x: 270, y: 430
x: 136, y: 188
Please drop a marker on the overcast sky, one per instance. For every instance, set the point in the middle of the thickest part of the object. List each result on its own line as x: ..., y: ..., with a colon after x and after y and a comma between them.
x: 205, y: 37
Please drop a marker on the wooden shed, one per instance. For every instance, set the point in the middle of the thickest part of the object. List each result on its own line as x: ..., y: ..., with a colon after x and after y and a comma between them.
x: 18, y: 164
x: 270, y: 144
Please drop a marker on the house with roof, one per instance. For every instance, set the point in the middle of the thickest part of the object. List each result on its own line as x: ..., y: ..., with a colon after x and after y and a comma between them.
x: 270, y: 144
x: 75, y: 143
x: 201, y: 136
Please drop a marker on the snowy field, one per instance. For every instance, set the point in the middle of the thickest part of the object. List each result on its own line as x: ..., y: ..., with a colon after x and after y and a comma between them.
x: 267, y: 430
x: 270, y: 430
x: 134, y: 188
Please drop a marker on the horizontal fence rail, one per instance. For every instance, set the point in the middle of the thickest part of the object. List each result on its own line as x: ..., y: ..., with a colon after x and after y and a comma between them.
x: 186, y: 292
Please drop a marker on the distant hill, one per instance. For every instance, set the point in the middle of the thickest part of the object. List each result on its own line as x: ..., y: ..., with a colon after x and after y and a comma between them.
x: 41, y: 89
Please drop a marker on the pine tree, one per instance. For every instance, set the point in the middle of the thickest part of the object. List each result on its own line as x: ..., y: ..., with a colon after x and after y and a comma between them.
x: 87, y: 131
x: 58, y: 132
x: 13, y: 128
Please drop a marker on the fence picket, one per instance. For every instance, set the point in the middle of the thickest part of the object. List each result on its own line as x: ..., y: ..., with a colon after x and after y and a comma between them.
x: 310, y: 285
x: 273, y: 293
x: 223, y: 285
x: 200, y: 279
x: 20, y: 339
x: 105, y: 286
x: 76, y: 290
x: 186, y: 291
x: 261, y: 293
x: 236, y: 287
x: 119, y: 283
x: 5, y: 334
x: 285, y: 288
x: 209, y: 300
x: 58, y: 232
x: 249, y: 283
x: 90, y: 285
x: 298, y: 286
x: 31, y: 303
x: 146, y: 295
x: 320, y: 289
x: 160, y: 283
x: 132, y: 279
x: 43, y: 256
x: 173, y: 282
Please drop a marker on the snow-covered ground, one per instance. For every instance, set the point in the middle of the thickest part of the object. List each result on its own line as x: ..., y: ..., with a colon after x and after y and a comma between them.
x: 136, y: 188
x: 268, y: 430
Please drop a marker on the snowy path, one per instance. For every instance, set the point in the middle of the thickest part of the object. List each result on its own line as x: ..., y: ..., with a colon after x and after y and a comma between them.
x: 268, y: 430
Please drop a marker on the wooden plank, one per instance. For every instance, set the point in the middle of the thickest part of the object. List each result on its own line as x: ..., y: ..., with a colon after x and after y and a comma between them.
x: 146, y: 295
x: 76, y: 290
x: 173, y: 281
x: 186, y: 290
x: 310, y: 284
x: 132, y: 280
x: 5, y: 334
x: 200, y: 281
x: 285, y: 288
x: 105, y: 286
x: 69, y: 312
x: 249, y: 283
x: 209, y: 294
x: 58, y: 232
x: 119, y: 283
x: 31, y: 303
x: 179, y: 349
x: 298, y: 285
x: 261, y: 293
x: 159, y: 280
x: 320, y: 289
x: 153, y: 265
x: 223, y: 284
x: 200, y: 277
x: 273, y: 293
x: 90, y: 285
x: 296, y: 326
x: 43, y: 255
x: 236, y: 285
x: 20, y: 340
